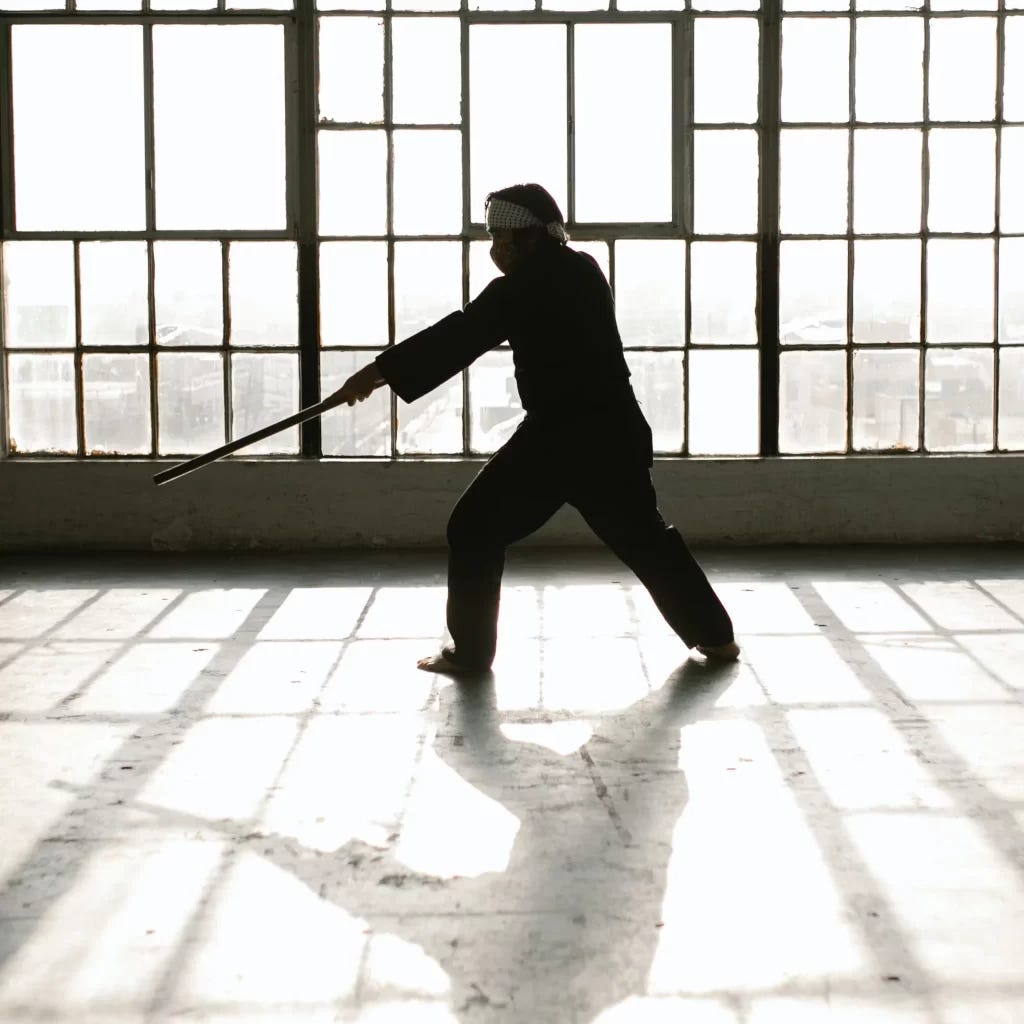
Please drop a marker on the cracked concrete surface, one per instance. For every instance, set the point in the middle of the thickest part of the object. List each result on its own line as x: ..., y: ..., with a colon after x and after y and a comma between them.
x: 230, y: 797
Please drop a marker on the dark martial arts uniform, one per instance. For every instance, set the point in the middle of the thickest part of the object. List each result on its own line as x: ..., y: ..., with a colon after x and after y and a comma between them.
x: 584, y: 440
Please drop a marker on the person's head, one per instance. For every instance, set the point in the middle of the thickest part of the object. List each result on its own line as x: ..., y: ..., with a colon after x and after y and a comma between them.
x: 521, y: 220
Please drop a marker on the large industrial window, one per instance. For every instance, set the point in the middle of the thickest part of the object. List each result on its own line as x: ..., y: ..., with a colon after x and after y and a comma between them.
x: 812, y: 217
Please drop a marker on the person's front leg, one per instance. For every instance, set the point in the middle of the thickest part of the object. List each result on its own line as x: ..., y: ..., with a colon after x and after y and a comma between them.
x: 513, y: 495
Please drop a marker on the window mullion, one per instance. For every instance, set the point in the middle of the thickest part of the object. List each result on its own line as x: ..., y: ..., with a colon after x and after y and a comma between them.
x: 389, y: 209
x: 570, y: 122
x: 848, y: 340
x: 682, y: 126
x: 768, y: 254
x: 6, y: 210
x: 301, y: 50
x: 925, y: 182
x: 150, y: 164
x: 467, y: 212
x: 997, y: 363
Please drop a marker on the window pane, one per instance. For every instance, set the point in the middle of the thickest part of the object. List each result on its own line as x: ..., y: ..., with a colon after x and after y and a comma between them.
x: 816, y: 69
x: 190, y: 393
x: 363, y: 429
x: 962, y: 179
x: 962, y: 69
x: 219, y: 124
x: 1013, y: 70
x: 350, y: 5
x: 78, y: 103
x: 189, y: 290
x: 657, y: 379
x: 108, y: 5
x: 1011, y: 399
x: 41, y: 403
x: 725, y: 167
x: 353, y: 183
x: 961, y: 290
x: 428, y: 284
x: 812, y: 400
x: 182, y: 5
x: 116, y: 404
x: 889, y: 5
x: 886, y: 291
x: 501, y: 5
x: 650, y: 282
x: 115, y: 289
x: 263, y: 285
x: 722, y: 293
x: 1011, y: 193
x: 967, y: 5
x: 886, y: 180
x: 39, y: 295
x: 815, y: 5
x: 654, y: 5
x: 428, y: 182
x: 575, y: 5
x: 425, y: 5
x: 890, y: 69
x: 886, y: 405
x: 813, y: 181
x: 264, y: 388
x: 723, y: 413
x: 432, y: 425
x: 495, y: 409
x: 958, y: 400
x: 481, y: 268
x: 426, y: 70
x: 354, y: 293
x: 724, y: 69
x: 725, y: 5
x: 352, y: 69
x: 623, y: 123
x: 517, y: 134
x: 1011, y: 295
x: 812, y: 293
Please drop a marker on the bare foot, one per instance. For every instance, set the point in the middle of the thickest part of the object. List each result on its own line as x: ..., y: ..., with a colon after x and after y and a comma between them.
x: 439, y: 663
x: 727, y: 652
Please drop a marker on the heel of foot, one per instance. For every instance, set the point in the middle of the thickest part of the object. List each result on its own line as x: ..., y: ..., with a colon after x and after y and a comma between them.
x: 724, y: 652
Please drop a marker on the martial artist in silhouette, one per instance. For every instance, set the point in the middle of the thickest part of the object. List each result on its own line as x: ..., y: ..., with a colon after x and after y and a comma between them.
x: 584, y: 439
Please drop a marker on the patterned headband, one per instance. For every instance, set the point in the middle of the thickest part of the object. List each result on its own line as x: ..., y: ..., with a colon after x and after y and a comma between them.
x: 506, y: 216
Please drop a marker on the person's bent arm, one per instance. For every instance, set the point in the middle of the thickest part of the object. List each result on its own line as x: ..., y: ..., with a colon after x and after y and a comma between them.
x: 434, y: 355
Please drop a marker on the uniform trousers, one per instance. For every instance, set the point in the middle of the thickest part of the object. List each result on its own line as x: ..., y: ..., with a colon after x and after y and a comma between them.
x: 520, y: 488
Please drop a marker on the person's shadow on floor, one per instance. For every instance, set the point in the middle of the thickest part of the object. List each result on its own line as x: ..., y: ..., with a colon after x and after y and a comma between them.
x: 570, y: 927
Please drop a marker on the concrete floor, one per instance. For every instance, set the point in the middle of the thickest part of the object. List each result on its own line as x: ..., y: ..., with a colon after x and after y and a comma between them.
x: 229, y: 796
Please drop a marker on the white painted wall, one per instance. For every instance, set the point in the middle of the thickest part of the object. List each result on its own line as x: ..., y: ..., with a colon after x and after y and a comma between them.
x: 112, y: 505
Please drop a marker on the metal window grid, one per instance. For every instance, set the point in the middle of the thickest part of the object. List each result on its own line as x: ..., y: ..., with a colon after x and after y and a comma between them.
x: 303, y: 126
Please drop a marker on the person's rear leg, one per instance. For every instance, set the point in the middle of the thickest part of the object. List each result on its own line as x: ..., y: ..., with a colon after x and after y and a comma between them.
x: 513, y: 495
x: 620, y: 506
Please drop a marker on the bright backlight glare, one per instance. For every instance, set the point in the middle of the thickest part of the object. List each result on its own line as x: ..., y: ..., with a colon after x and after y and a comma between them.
x: 623, y: 122
x: 517, y: 134
x: 78, y: 117
x: 219, y: 123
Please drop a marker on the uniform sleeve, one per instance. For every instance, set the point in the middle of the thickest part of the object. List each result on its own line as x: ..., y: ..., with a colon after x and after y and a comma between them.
x: 428, y: 358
